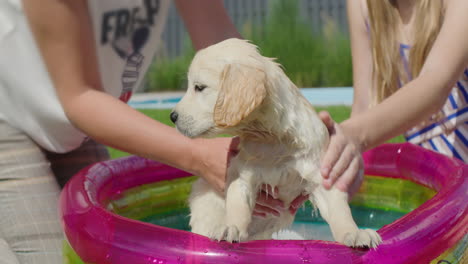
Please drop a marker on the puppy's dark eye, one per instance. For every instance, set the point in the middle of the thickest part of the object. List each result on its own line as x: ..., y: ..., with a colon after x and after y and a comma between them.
x: 199, y: 87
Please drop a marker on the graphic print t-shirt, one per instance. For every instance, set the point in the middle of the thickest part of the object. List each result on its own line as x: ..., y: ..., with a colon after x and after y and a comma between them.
x: 127, y: 33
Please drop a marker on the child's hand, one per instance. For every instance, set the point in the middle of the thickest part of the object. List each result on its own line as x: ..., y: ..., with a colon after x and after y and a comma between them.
x: 268, y: 203
x: 342, y: 163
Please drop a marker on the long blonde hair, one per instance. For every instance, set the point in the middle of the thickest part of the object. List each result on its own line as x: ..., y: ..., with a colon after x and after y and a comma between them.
x: 387, y: 63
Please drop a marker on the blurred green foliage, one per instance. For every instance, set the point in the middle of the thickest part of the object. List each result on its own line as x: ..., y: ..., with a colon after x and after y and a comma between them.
x: 168, y: 74
x: 310, y: 59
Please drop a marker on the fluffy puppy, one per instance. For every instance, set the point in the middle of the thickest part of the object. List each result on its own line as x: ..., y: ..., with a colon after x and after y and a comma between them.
x: 232, y: 89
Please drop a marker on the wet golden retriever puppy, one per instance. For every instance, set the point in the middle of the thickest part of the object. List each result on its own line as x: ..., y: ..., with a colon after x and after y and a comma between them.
x: 232, y: 89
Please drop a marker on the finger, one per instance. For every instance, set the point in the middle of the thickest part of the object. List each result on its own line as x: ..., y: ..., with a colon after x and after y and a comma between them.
x: 348, y: 176
x: 330, y: 158
x: 220, y: 185
x: 267, y: 200
x: 325, y: 117
x: 341, y: 165
x: 297, y: 203
x: 352, y: 177
x: 259, y: 214
x: 234, y: 146
x: 293, y: 210
x: 327, y: 120
x: 265, y: 209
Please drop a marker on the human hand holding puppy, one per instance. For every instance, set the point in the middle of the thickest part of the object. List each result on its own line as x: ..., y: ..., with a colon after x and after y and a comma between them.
x: 342, y: 164
x: 211, y: 159
x: 347, y: 172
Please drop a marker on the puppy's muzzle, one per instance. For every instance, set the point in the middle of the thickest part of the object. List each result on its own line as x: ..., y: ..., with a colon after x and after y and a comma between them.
x: 174, y: 115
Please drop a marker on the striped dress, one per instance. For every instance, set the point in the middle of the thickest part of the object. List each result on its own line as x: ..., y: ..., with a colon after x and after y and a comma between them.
x: 447, y: 131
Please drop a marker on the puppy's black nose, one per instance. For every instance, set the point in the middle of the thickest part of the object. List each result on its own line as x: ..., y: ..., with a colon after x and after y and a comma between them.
x: 174, y: 116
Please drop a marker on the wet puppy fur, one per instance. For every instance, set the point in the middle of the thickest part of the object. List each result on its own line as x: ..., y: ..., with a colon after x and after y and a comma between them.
x: 232, y: 89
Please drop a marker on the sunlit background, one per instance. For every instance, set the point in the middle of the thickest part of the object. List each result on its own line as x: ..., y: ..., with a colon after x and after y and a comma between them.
x: 308, y: 37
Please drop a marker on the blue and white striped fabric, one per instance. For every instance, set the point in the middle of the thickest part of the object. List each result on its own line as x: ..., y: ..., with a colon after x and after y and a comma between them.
x: 446, y: 132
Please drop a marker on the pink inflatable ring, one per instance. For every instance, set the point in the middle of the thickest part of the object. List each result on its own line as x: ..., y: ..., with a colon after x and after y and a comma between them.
x: 99, y: 236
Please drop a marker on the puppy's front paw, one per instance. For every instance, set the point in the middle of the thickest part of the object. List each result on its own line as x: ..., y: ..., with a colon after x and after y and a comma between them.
x: 234, y: 234
x: 362, y: 238
x: 229, y: 233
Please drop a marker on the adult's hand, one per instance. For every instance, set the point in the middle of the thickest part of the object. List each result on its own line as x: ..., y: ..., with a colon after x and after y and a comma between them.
x: 268, y: 203
x: 211, y: 159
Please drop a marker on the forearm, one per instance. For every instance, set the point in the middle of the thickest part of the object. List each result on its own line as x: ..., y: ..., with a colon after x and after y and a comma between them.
x: 207, y: 22
x: 109, y: 121
x: 410, y: 105
x: 360, y: 105
x: 361, y: 51
x: 427, y: 93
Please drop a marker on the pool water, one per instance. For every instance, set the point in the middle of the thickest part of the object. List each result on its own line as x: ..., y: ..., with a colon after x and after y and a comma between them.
x: 380, y: 201
x: 307, y: 225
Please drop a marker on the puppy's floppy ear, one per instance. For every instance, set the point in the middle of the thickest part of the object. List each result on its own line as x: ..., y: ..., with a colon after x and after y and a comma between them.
x: 242, y: 90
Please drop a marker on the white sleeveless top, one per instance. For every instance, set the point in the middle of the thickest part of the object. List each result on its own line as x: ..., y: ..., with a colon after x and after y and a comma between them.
x: 127, y: 33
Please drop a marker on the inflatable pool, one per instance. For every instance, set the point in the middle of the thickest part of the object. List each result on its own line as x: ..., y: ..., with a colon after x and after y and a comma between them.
x: 133, y: 210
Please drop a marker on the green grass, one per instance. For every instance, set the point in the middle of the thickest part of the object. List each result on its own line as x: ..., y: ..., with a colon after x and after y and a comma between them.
x: 338, y: 113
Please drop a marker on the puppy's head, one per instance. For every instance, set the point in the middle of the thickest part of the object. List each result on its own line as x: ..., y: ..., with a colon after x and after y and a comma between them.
x: 226, y: 83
